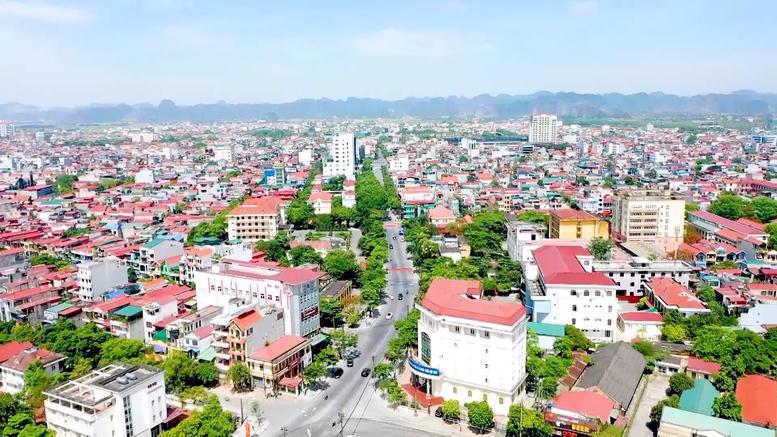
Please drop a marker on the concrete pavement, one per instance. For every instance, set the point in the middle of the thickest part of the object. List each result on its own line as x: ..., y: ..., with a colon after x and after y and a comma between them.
x: 652, y: 390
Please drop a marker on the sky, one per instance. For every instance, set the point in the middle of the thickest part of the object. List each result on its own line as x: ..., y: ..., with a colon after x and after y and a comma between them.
x: 69, y: 53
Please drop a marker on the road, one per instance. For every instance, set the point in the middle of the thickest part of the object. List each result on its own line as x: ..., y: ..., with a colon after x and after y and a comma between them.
x: 351, y: 395
x: 655, y: 390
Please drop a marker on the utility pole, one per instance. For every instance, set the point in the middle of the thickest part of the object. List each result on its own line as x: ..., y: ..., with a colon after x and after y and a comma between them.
x: 285, y: 431
x: 341, y: 416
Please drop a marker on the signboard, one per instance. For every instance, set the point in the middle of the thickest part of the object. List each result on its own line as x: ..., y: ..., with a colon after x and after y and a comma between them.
x: 423, y: 369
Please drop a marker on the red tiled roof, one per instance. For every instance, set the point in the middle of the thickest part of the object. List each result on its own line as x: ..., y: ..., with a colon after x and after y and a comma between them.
x: 728, y: 224
x: 572, y: 214
x: 321, y: 195
x: 642, y: 316
x: 257, y: 205
x: 11, y: 349
x: 441, y: 212
x: 247, y: 319
x: 21, y: 361
x: 674, y: 294
x: 757, y: 394
x: 450, y: 297
x: 559, y: 265
x: 703, y: 366
x: 588, y: 403
x: 279, y: 347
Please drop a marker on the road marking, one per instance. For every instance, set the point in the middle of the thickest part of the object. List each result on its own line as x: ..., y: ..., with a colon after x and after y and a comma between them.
x: 400, y: 269
x: 308, y: 432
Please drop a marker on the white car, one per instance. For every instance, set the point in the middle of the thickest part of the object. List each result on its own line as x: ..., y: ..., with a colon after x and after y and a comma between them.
x: 390, y: 296
x: 389, y: 316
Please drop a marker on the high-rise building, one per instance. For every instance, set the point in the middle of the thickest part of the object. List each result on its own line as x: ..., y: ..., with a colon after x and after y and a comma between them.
x: 543, y: 129
x: 116, y: 400
x: 653, y: 217
x: 7, y: 130
x: 341, y: 160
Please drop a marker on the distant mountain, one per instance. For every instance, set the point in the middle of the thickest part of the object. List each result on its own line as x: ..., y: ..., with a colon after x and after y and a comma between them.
x: 743, y: 102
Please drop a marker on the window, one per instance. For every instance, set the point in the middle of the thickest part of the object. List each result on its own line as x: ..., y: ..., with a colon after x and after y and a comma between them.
x: 598, y: 293
x: 501, y: 400
x: 456, y: 329
x: 574, y: 307
x: 607, y: 333
x: 574, y: 321
x: 455, y: 390
x: 471, y: 331
x: 486, y: 334
x: 574, y: 293
x: 469, y: 393
x: 426, y: 348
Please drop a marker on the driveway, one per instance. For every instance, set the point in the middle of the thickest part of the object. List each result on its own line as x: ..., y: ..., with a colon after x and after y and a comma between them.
x: 653, y: 392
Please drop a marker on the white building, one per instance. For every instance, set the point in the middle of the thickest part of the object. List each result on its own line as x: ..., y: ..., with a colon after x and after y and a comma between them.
x: 116, y: 400
x: 342, y: 157
x: 562, y: 288
x: 12, y: 370
x: 142, y: 137
x: 470, y: 349
x: 305, y: 157
x: 543, y: 129
x: 295, y: 289
x: 256, y: 219
x: 95, y: 278
x: 224, y: 152
x: 655, y: 218
x: 399, y: 163
x: 145, y: 176
x: 7, y: 130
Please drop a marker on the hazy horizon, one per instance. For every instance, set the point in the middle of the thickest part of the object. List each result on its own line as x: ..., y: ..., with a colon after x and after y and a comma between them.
x: 68, y: 54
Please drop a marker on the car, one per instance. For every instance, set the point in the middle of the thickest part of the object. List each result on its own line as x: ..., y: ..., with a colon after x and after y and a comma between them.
x: 391, y: 246
x: 366, y: 372
x: 400, y: 296
x: 401, y: 231
x: 390, y: 296
x: 349, y: 362
x: 394, y: 237
x: 337, y: 372
x: 389, y: 316
x: 352, y: 353
x: 438, y: 412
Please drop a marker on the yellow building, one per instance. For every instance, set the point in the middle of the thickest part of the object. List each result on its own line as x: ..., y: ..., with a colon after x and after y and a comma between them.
x: 573, y: 223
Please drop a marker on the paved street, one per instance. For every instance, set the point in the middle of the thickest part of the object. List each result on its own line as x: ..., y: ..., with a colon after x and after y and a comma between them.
x: 655, y: 391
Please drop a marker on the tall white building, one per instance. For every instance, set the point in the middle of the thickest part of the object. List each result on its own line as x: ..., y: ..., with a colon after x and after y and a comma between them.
x: 95, y: 278
x: 295, y: 289
x: 543, y: 129
x: 656, y: 218
x: 7, y: 130
x: 224, y: 152
x: 471, y: 349
x: 342, y: 157
x: 118, y: 400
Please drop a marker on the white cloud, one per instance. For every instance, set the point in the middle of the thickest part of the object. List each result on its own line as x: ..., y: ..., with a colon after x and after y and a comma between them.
x: 435, y: 44
x: 40, y: 11
x: 583, y: 7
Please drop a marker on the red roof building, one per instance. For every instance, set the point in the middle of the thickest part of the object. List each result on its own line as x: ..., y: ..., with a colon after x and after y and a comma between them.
x: 666, y: 293
x: 461, y: 299
x: 758, y: 396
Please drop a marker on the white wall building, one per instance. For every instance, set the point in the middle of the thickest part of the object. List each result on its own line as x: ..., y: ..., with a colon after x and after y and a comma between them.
x: 470, y: 349
x: 305, y: 157
x: 116, y: 400
x: 656, y: 218
x: 224, y: 152
x: 95, y: 278
x: 145, y: 176
x: 399, y: 163
x: 562, y: 288
x: 293, y: 289
x: 342, y: 157
x: 7, y: 130
x: 543, y: 129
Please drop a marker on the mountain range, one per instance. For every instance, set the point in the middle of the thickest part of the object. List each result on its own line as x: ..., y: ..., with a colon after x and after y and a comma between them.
x: 565, y: 104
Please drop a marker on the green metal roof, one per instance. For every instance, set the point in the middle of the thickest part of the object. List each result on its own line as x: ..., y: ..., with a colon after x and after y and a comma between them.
x: 129, y: 311
x: 60, y: 307
x: 547, y: 329
x: 701, y: 422
x: 699, y: 398
x: 152, y: 243
x: 209, y: 354
x: 161, y: 335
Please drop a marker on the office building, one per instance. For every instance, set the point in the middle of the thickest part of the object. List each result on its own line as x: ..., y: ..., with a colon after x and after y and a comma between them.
x: 119, y: 400
x: 295, y: 289
x: 256, y: 219
x: 655, y: 218
x: 570, y: 223
x: 471, y: 349
x: 95, y: 278
x: 543, y: 129
x: 7, y: 130
x: 341, y: 159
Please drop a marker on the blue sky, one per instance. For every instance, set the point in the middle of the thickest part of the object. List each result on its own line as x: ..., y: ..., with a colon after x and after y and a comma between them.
x: 79, y: 52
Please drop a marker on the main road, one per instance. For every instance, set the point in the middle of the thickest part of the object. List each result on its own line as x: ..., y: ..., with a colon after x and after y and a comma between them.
x: 346, y: 399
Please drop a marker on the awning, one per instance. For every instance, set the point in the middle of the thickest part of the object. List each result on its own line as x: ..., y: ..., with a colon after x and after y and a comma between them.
x: 209, y: 354
x: 161, y: 335
x: 318, y: 338
x: 290, y: 382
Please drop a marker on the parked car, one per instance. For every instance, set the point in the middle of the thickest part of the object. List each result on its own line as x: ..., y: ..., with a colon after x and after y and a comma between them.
x: 389, y: 316
x: 391, y: 246
x: 390, y: 296
x: 366, y: 372
x: 336, y: 372
x: 349, y: 362
x: 438, y: 412
x: 400, y: 296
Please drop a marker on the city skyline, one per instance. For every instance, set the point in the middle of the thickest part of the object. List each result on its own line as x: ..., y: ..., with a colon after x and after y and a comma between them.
x: 72, y: 54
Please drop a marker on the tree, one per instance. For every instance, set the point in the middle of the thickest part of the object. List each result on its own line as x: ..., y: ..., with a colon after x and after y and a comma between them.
x: 182, y: 372
x: 342, y: 340
x: 11, y: 406
x: 383, y: 370
x: 313, y: 373
x: 305, y: 255
x: 277, y: 247
x: 655, y: 412
x: 451, y: 410
x: 300, y: 213
x: 341, y: 264
x: 46, y: 259
x: 547, y: 388
x: 212, y: 421
x: 706, y: 294
x: 82, y: 367
x: 763, y: 209
x: 480, y: 416
x: 600, y: 248
x: 679, y: 382
x: 533, y: 216
x: 240, y: 377
x: 256, y: 411
x: 122, y: 349
x: 16, y: 424
x: 36, y: 431
x: 729, y: 206
x: 196, y: 394
x: 36, y: 380
x: 726, y: 406
x: 331, y: 309
x: 525, y: 422
x: 674, y: 333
